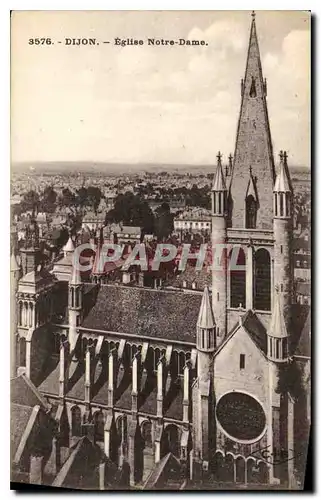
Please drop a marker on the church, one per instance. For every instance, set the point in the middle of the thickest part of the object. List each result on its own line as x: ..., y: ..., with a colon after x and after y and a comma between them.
x: 183, y: 388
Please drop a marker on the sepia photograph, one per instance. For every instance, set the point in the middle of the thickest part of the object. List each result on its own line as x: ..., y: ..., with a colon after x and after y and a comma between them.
x: 160, y: 250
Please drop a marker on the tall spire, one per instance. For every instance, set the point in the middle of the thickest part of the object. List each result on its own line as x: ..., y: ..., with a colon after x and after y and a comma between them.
x: 253, y: 141
x: 205, y: 317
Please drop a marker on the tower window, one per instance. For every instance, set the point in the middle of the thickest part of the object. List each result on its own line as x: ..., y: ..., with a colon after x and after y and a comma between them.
x: 276, y: 204
x: 250, y: 215
x: 277, y: 349
x: 238, y: 281
x: 262, y: 288
x: 284, y: 348
x: 281, y: 248
x: 281, y: 206
x: 253, y: 88
x: 242, y: 361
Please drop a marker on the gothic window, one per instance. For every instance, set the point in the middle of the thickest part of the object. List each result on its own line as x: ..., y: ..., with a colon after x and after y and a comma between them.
x: 99, y: 426
x: 281, y: 205
x: 76, y: 421
x: 147, y: 433
x: 250, y: 212
x: 276, y: 204
x: 238, y: 281
x: 262, y: 280
x: 242, y: 361
x: 181, y: 362
x: 20, y: 313
x: 253, y: 88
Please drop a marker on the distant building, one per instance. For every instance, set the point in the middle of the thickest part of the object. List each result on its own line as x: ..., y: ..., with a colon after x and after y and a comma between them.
x: 194, y: 220
x: 93, y: 221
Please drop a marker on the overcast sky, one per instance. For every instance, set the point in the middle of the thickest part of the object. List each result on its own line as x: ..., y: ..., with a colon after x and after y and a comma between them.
x: 153, y: 104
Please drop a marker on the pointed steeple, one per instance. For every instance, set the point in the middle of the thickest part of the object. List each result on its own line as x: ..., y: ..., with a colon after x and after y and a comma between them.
x: 277, y: 326
x: 205, y: 318
x: 283, y: 181
x: 253, y: 142
x: 219, y: 181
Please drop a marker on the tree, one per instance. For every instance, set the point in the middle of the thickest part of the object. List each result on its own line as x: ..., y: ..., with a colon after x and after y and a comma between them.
x: 48, y: 200
x: 30, y: 201
x: 93, y: 197
x: 163, y: 221
x: 133, y: 211
x: 67, y: 199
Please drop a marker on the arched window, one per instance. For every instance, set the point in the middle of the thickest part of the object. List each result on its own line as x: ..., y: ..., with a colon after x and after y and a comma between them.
x: 99, y: 421
x: 147, y: 433
x: 250, y: 212
x: 20, y: 313
x: 262, y: 280
x: 237, y: 280
x: 171, y: 440
x: 181, y: 362
x: 76, y: 421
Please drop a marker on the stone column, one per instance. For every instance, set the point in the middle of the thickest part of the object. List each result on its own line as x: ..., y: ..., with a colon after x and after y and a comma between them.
x: 160, y: 387
x: 88, y: 375
x: 186, y: 396
x: 62, y: 368
x: 111, y: 377
x: 136, y: 372
x: 28, y: 353
x: 249, y: 278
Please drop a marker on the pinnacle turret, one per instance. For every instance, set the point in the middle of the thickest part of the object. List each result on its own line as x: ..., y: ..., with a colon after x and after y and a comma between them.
x: 205, y: 318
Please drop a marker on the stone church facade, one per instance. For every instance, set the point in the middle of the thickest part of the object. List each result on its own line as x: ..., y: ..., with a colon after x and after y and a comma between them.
x: 219, y: 379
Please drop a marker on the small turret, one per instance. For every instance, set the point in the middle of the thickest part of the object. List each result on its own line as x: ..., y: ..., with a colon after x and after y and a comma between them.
x: 69, y: 247
x: 219, y: 235
x: 219, y: 191
x: 205, y: 325
x: 75, y: 305
x: 277, y: 348
x: 283, y: 233
x: 283, y: 191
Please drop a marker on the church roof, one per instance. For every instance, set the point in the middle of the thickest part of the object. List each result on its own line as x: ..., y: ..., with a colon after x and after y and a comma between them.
x: 81, y: 467
x: 145, y: 312
x: 205, y: 317
x: 163, y: 474
x: 277, y: 326
x: 303, y: 347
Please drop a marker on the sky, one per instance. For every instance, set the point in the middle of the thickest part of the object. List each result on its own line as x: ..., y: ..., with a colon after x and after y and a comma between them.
x: 153, y: 104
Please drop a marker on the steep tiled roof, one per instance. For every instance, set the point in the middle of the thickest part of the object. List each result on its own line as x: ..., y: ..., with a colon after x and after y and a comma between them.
x: 23, y: 392
x: 304, y: 345
x: 19, y: 418
x: 167, y: 469
x: 80, y: 470
x: 145, y: 312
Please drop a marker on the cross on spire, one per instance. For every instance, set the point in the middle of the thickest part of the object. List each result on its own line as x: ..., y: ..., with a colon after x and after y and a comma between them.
x: 285, y: 157
x: 219, y: 157
x: 253, y: 15
x: 281, y: 155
